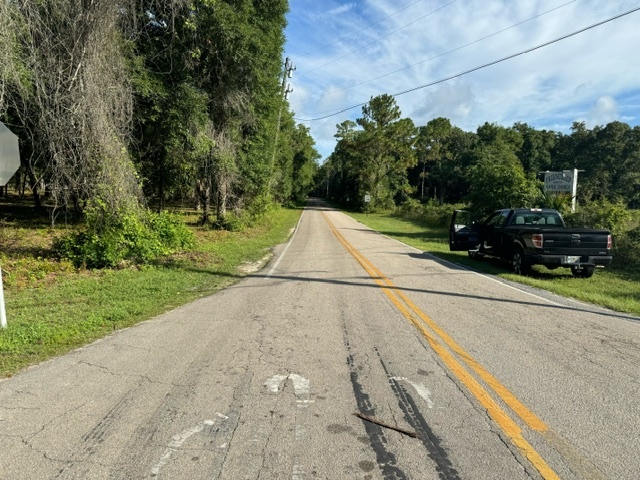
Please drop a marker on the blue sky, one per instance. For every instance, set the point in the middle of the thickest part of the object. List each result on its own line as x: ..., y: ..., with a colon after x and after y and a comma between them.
x: 346, y: 52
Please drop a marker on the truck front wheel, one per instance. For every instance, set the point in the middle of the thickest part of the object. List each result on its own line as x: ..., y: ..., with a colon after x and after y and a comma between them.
x: 518, y: 263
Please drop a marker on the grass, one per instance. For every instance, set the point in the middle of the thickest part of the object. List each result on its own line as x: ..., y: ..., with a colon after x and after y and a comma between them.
x: 53, y: 308
x: 610, y: 288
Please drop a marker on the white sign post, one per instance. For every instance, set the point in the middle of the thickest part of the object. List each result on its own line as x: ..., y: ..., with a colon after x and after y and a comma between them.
x: 9, y: 164
x: 3, y: 315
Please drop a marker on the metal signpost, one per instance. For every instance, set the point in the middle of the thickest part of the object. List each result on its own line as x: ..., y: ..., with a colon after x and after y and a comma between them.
x: 367, y: 202
x: 9, y: 164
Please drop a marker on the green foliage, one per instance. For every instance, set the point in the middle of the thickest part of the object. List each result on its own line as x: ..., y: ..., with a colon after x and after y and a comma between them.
x: 616, y: 218
x: 557, y: 201
x: 375, y: 159
x: 71, y: 310
x: 305, y: 164
x: 411, y: 208
x: 432, y: 213
x: 439, y: 215
x: 131, y: 239
x: 626, y: 250
x: 602, y: 214
x: 497, y: 181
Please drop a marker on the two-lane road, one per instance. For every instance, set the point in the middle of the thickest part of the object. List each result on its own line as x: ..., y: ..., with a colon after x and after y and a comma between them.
x: 454, y: 375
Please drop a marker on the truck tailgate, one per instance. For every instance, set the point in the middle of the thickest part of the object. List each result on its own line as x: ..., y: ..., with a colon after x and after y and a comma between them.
x: 576, y: 241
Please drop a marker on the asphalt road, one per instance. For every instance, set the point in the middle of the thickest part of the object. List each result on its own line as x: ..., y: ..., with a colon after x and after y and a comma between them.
x: 452, y: 375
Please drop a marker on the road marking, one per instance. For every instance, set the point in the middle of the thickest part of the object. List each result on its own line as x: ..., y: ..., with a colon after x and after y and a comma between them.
x: 419, y: 388
x: 457, y: 265
x: 275, y: 383
x: 275, y: 265
x: 508, y: 426
x: 298, y: 473
x: 176, y: 443
x: 301, y: 387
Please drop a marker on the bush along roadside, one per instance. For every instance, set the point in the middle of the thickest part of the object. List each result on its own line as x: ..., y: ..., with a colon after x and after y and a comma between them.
x: 131, y: 239
x: 69, y: 307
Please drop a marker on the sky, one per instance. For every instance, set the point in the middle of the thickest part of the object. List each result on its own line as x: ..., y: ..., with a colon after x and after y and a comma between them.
x: 438, y: 51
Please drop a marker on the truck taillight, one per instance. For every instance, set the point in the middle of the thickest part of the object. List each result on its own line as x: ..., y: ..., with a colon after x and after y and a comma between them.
x: 537, y: 240
x: 609, y: 242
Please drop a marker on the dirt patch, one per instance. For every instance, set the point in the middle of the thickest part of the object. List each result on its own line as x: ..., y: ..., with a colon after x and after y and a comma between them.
x: 248, y: 268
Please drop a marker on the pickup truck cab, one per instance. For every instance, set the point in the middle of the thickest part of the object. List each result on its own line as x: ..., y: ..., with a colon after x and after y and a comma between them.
x: 531, y: 236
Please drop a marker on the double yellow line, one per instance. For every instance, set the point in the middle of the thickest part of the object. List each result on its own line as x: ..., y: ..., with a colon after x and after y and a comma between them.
x: 421, y: 322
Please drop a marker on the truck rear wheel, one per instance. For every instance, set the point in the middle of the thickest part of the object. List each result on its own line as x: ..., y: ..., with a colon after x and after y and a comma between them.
x: 584, y: 272
x: 518, y: 263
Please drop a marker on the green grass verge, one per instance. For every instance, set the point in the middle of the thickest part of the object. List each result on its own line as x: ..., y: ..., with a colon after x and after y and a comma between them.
x: 609, y: 288
x: 67, y: 308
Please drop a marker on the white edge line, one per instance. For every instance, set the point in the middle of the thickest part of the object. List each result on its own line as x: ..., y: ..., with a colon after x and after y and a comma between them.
x: 275, y: 265
x: 457, y: 265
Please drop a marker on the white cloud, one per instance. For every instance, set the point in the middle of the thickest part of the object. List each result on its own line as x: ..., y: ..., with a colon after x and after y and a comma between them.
x: 390, y: 46
x: 604, y: 111
x: 455, y: 101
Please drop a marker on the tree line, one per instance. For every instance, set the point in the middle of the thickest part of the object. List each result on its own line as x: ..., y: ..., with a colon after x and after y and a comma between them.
x: 393, y: 161
x: 123, y: 106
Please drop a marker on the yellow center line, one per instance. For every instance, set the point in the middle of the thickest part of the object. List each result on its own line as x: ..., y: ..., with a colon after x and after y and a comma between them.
x: 406, y: 307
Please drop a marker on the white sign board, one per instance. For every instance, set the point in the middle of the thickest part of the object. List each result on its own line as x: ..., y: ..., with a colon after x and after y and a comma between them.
x: 367, y: 198
x: 9, y: 154
x: 558, y: 181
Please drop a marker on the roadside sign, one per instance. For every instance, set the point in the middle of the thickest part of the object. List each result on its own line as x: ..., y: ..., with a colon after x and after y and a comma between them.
x: 558, y: 181
x: 564, y: 181
x: 9, y: 154
x: 367, y: 198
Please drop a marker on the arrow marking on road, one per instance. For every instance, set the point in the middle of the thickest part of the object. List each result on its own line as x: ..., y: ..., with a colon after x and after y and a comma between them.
x: 176, y: 443
x: 419, y: 388
x: 301, y: 387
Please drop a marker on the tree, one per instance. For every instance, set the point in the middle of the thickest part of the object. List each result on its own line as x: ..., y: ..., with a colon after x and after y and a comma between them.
x: 496, y: 176
x: 73, y: 101
x: 535, y: 153
x: 385, y: 147
x: 226, y: 55
x: 305, y: 165
x: 344, y: 166
x: 431, y: 147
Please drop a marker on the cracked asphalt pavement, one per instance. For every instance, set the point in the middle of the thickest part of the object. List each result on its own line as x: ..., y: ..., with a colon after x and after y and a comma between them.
x: 262, y: 380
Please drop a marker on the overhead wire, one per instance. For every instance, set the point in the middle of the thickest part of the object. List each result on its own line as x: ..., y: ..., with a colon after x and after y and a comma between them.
x: 485, y: 65
x: 338, y: 90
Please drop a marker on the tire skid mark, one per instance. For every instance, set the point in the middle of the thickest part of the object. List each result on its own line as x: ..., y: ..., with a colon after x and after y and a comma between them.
x: 93, y: 438
x: 452, y: 359
x: 386, y: 460
x: 413, y: 416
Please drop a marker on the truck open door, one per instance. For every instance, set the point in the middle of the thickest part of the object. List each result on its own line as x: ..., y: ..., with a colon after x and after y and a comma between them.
x: 463, y: 231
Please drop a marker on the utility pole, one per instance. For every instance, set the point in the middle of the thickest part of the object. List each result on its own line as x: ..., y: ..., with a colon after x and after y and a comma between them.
x: 285, y: 90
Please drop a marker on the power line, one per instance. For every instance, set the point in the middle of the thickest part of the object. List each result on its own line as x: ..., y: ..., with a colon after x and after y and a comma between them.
x: 318, y: 97
x: 474, y: 69
x: 377, y: 39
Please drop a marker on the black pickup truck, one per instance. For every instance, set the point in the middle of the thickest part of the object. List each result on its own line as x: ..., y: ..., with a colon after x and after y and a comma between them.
x: 531, y: 236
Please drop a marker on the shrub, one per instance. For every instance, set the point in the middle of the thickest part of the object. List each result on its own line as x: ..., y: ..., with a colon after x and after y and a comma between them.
x: 626, y: 250
x: 411, y: 208
x: 129, y: 239
x: 437, y: 215
x: 602, y: 214
x: 432, y: 213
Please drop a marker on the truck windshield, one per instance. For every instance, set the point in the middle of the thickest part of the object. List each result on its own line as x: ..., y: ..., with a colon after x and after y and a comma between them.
x: 536, y: 218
